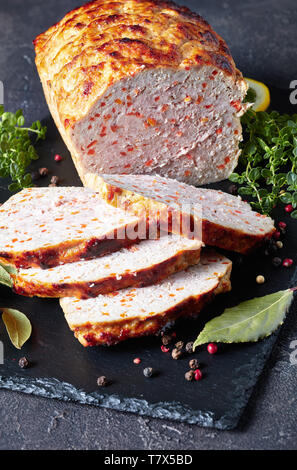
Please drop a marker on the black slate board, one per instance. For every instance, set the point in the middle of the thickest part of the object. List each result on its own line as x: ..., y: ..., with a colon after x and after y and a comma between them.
x: 63, y: 369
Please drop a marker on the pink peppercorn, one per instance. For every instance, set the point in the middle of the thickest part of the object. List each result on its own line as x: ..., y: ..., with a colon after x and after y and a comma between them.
x: 58, y: 158
x: 137, y: 360
x: 289, y: 208
x: 212, y: 348
x: 198, y: 374
x: 287, y: 262
x: 164, y: 349
x: 276, y: 235
x: 282, y: 225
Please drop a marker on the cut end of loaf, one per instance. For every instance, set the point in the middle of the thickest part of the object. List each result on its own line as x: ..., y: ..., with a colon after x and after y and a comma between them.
x: 176, y: 123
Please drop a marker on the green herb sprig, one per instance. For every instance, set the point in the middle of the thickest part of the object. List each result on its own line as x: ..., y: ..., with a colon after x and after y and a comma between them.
x: 267, y: 168
x: 16, y: 148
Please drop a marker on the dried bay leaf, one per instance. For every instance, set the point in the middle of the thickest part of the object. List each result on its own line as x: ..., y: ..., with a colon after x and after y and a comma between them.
x: 18, y: 326
x: 249, y: 321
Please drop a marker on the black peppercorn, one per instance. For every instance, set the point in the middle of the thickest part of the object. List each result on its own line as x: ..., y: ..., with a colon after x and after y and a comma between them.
x: 23, y: 363
x: 43, y: 171
x: 166, y: 339
x: 55, y: 180
x: 102, y: 381
x: 148, y: 372
x: 35, y: 175
x: 194, y: 364
x: 176, y: 353
x: 189, y: 347
x: 276, y: 261
x: 179, y: 345
x: 189, y: 376
x: 233, y: 189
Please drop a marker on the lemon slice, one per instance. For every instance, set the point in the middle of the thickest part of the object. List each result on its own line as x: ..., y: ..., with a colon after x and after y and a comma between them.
x: 262, y: 94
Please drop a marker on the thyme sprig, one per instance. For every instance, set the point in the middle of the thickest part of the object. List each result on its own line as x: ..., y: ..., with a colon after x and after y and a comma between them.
x: 267, y: 170
x: 16, y: 148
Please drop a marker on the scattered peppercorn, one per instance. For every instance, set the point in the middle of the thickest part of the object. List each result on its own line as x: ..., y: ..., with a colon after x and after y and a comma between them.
x: 35, y: 175
x: 282, y: 225
x: 194, y: 364
x: 164, y: 349
x: 276, y: 261
x: 198, y: 374
x: 176, y: 353
x: 23, y: 363
x: 189, y: 376
x: 212, y: 348
x: 233, y: 189
x: 276, y: 235
x: 137, y: 360
x: 148, y: 372
x: 260, y: 279
x: 289, y: 208
x: 166, y: 339
x: 102, y: 381
x: 189, y: 347
x: 179, y: 345
x: 58, y: 158
x: 55, y: 180
x: 271, y: 247
x: 43, y: 171
x: 279, y: 244
x: 287, y: 262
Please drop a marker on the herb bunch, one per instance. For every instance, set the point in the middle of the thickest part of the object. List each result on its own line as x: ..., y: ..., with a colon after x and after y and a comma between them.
x: 267, y: 168
x: 16, y: 148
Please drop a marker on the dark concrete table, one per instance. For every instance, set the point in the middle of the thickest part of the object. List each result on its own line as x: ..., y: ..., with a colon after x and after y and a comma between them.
x: 262, y: 38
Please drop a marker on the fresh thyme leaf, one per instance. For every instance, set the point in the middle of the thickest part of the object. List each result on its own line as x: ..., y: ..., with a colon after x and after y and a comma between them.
x: 267, y: 169
x: 16, y: 149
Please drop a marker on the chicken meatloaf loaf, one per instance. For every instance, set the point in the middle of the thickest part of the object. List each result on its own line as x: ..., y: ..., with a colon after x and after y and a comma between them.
x: 143, y: 86
x: 142, y: 264
x: 222, y: 220
x: 51, y: 226
x: 129, y: 313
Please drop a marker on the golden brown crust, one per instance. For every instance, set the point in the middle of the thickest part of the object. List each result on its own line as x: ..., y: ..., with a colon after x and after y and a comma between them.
x: 67, y: 252
x: 110, y: 334
x: 103, y: 42
x: 212, y: 234
x: 83, y: 290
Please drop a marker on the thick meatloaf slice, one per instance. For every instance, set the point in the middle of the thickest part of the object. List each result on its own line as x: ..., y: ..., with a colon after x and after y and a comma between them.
x: 227, y: 221
x: 108, y: 319
x: 51, y: 226
x: 145, y: 263
x: 143, y: 86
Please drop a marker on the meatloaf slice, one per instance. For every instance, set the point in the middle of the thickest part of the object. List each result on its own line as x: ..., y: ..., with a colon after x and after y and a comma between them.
x: 143, y: 86
x: 227, y: 221
x: 51, y: 226
x: 109, y: 319
x: 145, y: 263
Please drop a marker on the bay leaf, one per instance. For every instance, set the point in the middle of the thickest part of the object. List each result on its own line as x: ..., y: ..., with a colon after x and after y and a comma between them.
x: 9, y: 268
x: 18, y: 326
x: 5, y: 278
x: 249, y: 321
